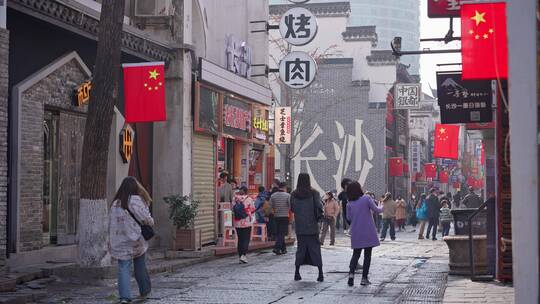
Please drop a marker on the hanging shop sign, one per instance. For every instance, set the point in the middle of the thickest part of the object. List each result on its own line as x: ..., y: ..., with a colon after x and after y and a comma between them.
x: 464, y: 101
x: 82, y: 93
x: 126, y: 143
x: 297, y: 70
x: 407, y: 95
x: 298, y: 26
x: 260, y: 124
x: 446, y: 8
x: 236, y: 117
x: 283, y: 126
x: 206, y: 110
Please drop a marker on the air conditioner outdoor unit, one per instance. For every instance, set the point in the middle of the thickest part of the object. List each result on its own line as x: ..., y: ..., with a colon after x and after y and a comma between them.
x: 153, y: 8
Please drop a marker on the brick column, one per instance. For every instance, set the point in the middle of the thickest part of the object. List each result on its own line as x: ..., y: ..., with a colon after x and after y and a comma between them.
x: 4, y: 58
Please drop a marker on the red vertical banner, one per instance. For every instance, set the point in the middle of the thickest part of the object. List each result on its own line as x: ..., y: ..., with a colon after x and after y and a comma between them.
x: 443, y: 177
x: 430, y: 170
x: 405, y: 168
x: 395, y: 166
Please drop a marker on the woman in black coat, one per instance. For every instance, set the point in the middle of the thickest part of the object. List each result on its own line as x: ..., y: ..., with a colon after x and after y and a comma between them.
x: 307, y: 208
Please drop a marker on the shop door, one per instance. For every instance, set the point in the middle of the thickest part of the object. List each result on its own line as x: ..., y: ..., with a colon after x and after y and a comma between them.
x: 204, y: 186
x: 50, y: 177
x: 71, y: 135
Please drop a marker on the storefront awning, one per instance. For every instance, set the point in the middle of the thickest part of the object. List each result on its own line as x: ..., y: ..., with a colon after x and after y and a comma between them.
x: 227, y: 80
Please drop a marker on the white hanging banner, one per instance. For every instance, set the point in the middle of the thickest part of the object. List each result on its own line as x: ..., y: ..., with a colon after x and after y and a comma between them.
x: 283, y: 126
x: 3, y: 6
x: 297, y: 70
x: 298, y: 26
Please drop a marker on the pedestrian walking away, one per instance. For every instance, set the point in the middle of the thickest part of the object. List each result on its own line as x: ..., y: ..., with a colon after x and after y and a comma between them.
x: 433, y: 210
x: 362, y: 230
x: 307, y: 208
x: 129, y: 210
x: 389, y: 216
x: 401, y: 213
x: 243, y: 210
x: 331, y: 210
x: 342, y: 197
x: 445, y: 217
x: 280, y: 203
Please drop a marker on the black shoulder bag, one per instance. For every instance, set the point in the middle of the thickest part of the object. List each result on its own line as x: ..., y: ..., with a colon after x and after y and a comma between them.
x: 146, y: 230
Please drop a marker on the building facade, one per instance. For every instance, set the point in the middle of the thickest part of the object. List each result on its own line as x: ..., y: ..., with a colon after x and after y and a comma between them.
x: 372, y: 75
x: 392, y: 18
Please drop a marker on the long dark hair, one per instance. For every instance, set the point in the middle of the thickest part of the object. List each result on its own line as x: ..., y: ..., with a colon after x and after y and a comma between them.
x: 303, y: 186
x: 128, y: 187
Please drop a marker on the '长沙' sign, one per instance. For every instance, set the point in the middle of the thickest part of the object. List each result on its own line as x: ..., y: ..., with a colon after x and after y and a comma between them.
x: 464, y: 101
x: 407, y: 95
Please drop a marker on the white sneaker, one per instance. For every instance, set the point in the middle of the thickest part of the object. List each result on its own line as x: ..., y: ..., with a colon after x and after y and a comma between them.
x: 243, y: 259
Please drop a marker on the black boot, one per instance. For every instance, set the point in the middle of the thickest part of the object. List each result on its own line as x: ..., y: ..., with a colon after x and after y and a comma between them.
x: 320, y: 278
x: 297, y: 276
x: 350, y: 282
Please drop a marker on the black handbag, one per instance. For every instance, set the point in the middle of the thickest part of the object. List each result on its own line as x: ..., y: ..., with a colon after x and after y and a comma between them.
x: 319, y: 213
x: 146, y: 230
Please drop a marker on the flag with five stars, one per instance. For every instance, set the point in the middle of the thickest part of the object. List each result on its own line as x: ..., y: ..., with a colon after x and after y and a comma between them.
x: 446, y: 141
x: 395, y: 165
x: 484, y: 42
x: 144, y: 92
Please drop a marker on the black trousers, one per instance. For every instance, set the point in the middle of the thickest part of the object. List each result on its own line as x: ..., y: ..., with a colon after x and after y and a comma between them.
x: 445, y: 228
x: 282, y: 227
x: 388, y: 222
x: 244, y: 235
x: 433, y: 223
x: 356, y: 257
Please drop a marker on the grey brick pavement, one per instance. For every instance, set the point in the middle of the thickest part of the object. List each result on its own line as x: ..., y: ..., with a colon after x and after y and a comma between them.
x: 403, y: 271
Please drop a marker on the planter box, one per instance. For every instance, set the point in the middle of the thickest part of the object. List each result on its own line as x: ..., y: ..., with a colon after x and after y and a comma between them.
x: 187, y: 239
x: 459, y: 262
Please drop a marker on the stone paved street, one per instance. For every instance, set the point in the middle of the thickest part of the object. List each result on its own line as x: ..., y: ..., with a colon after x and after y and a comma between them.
x: 403, y: 271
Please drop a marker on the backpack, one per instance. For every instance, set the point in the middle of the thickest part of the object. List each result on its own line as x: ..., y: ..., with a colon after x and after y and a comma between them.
x: 239, y: 211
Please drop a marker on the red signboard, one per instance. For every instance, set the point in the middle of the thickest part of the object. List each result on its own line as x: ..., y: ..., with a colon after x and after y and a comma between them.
x: 445, y: 8
x: 480, y: 126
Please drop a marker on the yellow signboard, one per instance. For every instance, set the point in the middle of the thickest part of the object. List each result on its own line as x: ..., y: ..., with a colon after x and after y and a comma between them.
x: 126, y: 143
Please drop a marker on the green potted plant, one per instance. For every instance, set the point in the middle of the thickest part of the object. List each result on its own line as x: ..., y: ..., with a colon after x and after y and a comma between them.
x: 183, y: 211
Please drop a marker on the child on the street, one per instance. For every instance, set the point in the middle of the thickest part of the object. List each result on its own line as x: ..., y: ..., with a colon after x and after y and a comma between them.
x: 445, y: 218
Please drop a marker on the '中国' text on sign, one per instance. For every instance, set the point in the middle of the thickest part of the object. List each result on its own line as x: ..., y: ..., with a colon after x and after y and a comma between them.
x: 407, y: 95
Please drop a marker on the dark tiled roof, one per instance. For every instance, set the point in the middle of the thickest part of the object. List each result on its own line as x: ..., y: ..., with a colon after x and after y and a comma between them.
x: 361, y: 33
x: 328, y: 9
x: 336, y: 61
x: 381, y: 58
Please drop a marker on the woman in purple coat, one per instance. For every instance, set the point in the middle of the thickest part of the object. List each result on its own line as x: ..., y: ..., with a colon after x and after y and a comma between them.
x: 362, y: 229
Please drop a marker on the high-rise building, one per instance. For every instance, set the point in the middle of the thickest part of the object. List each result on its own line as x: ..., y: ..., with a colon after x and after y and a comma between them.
x: 392, y: 18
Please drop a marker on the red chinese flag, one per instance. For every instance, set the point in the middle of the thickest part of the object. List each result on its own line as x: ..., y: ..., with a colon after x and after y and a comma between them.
x: 430, y: 170
x: 396, y: 166
x: 484, y: 42
x: 456, y: 185
x: 446, y: 141
x: 443, y: 177
x: 144, y: 92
